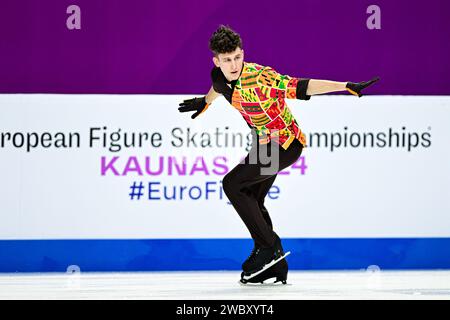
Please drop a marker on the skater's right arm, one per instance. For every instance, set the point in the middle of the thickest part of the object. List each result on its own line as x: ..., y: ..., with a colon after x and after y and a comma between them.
x: 199, y: 105
x: 212, y: 95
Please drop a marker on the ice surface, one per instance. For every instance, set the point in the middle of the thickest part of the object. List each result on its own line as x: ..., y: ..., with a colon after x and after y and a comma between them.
x: 364, y: 284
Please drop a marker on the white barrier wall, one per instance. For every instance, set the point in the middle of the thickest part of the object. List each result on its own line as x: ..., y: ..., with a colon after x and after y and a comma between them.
x: 375, y: 167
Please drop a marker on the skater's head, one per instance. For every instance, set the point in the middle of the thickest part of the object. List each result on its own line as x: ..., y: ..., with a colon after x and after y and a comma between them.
x: 226, y: 45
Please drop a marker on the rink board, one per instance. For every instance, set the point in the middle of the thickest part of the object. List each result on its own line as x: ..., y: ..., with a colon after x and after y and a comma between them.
x: 372, y: 188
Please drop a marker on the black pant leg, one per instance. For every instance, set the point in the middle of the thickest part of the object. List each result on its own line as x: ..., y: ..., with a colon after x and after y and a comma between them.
x: 240, y: 180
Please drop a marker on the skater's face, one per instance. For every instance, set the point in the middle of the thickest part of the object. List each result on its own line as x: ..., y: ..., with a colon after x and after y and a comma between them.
x: 230, y: 63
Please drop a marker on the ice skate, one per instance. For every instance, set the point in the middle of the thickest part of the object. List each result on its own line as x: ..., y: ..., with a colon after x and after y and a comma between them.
x: 278, y: 272
x: 261, y: 259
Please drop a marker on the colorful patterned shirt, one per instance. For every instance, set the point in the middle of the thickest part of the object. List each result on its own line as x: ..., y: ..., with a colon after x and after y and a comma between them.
x: 259, y: 95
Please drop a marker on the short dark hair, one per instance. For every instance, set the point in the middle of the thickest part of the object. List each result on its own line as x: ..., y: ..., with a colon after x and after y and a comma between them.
x: 224, y: 40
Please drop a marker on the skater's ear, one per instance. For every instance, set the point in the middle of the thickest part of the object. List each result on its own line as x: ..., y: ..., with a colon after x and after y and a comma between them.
x: 216, y: 61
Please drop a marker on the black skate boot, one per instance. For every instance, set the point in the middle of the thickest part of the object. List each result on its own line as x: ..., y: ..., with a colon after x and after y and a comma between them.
x: 262, y: 256
x: 278, y: 272
x: 251, y: 257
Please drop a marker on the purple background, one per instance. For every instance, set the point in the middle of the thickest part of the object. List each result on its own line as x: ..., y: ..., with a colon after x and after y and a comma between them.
x: 138, y: 46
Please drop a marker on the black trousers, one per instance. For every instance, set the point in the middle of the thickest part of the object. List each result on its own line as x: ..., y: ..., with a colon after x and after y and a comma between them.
x: 247, y: 184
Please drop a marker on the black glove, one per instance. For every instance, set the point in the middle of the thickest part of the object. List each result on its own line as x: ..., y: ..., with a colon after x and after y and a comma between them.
x: 356, y: 87
x: 194, y: 104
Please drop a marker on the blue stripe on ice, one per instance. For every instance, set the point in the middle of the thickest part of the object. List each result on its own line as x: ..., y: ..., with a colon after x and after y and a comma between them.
x: 219, y: 254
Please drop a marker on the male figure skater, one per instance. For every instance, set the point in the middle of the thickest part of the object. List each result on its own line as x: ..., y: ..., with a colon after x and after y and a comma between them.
x: 258, y: 93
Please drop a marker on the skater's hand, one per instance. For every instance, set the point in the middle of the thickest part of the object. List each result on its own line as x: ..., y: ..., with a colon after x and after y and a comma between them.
x: 195, y: 104
x: 355, y: 88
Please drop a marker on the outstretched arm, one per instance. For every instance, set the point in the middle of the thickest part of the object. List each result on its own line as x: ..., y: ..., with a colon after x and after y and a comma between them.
x: 211, y: 96
x: 326, y: 86
x: 304, y: 88
x: 199, y: 105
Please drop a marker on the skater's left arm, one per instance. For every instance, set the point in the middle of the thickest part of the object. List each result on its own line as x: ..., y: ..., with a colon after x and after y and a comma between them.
x: 325, y: 86
x: 304, y: 88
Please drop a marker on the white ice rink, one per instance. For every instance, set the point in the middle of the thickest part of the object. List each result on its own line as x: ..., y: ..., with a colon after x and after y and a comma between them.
x: 224, y: 285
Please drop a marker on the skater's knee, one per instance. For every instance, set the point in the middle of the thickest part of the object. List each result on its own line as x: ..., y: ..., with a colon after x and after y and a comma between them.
x: 227, y: 183
x: 230, y: 184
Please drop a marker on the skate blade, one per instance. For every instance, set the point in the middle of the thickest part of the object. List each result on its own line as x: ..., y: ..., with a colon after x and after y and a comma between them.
x: 271, y: 282
x: 267, y: 266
